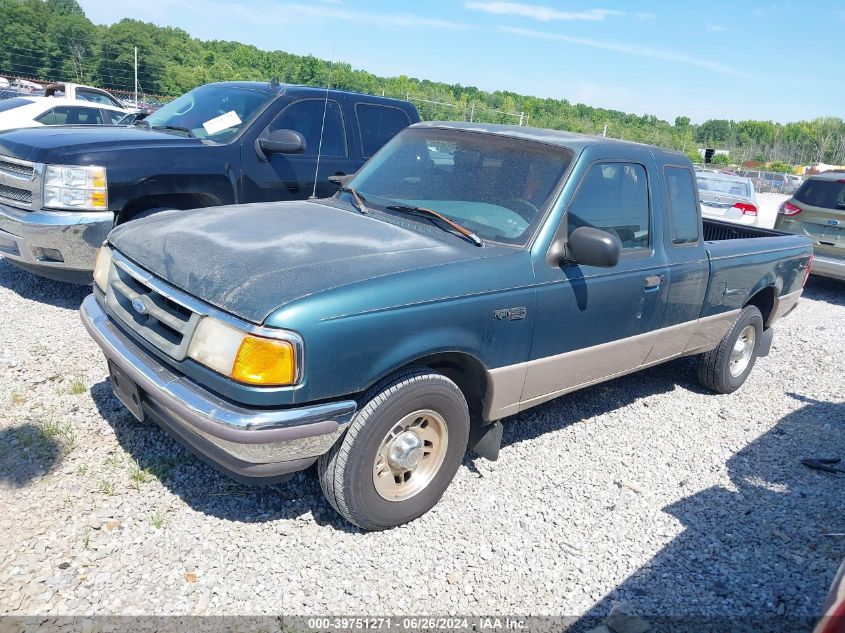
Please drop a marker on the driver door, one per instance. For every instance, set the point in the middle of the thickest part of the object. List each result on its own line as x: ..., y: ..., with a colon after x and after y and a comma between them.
x: 593, y: 322
x: 291, y: 176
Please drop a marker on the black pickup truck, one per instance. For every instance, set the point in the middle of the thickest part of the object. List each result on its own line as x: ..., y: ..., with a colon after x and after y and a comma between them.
x: 63, y: 188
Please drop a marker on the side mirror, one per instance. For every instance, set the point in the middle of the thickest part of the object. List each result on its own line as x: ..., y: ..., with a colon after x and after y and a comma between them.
x: 591, y: 247
x: 281, y: 142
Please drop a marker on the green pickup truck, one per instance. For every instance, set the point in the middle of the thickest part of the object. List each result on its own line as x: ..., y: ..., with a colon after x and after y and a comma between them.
x: 466, y: 273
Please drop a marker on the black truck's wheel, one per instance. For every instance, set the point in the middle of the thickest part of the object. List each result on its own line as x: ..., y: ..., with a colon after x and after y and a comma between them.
x: 725, y: 368
x: 400, y: 453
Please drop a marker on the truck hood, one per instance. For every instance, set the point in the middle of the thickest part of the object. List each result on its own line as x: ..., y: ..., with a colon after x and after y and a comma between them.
x: 250, y: 260
x: 54, y: 144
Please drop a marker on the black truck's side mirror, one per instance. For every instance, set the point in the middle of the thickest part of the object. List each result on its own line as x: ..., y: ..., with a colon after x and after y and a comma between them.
x: 588, y: 246
x: 281, y: 142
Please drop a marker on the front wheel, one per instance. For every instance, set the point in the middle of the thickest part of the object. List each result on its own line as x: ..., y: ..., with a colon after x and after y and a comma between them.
x: 400, y: 453
x: 725, y: 368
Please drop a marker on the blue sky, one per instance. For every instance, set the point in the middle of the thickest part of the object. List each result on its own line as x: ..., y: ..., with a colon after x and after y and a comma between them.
x: 714, y: 59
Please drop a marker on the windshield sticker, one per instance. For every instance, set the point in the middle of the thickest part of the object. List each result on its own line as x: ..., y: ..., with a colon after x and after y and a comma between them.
x: 222, y: 122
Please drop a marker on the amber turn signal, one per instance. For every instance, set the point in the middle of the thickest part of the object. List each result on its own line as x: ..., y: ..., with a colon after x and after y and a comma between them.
x: 262, y: 361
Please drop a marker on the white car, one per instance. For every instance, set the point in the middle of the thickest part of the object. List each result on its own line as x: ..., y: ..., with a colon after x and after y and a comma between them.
x: 728, y: 198
x: 28, y: 111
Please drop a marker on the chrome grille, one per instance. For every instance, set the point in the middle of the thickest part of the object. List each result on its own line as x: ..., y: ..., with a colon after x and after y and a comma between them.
x: 15, y: 194
x: 20, y: 182
x: 143, y: 305
x: 21, y: 170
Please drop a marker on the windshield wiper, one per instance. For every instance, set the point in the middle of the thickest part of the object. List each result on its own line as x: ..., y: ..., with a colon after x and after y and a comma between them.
x: 174, y: 128
x: 359, y: 201
x: 472, y: 237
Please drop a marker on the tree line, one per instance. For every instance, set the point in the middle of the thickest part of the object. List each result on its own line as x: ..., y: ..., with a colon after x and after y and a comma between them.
x: 53, y: 40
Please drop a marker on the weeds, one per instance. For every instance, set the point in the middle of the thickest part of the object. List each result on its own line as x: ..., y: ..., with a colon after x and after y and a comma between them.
x: 106, y: 487
x: 17, y: 399
x: 141, y: 475
x: 77, y: 387
x: 58, y: 433
x: 157, y: 520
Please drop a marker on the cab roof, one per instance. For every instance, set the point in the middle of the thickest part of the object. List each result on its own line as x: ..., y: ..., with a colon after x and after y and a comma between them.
x: 571, y: 140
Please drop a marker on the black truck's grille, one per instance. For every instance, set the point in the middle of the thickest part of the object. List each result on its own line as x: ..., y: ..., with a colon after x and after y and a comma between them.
x: 142, y: 308
x: 17, y: 169
x: 15, y: 194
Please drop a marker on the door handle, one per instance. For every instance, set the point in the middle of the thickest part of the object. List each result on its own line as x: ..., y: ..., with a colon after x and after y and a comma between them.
x: 652, y: 282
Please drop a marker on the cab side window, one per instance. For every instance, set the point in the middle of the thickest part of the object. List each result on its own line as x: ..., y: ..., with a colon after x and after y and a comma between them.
x: 683, y: 210
x: 378, y: 124
x: 614, y: 197
x: 306, y: 117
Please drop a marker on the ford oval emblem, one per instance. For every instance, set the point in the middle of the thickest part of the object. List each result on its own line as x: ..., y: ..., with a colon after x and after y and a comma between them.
x: 833, y: 222
x: 139, y: 306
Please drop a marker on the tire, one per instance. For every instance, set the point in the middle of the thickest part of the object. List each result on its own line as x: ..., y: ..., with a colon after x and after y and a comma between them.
x: 416, y: 401
x: 720, y: 369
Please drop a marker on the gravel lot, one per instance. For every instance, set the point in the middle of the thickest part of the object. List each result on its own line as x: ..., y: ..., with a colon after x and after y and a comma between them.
x: 645, y: 491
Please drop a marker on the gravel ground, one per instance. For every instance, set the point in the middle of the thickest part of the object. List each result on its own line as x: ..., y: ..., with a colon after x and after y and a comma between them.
x: 645, y: 491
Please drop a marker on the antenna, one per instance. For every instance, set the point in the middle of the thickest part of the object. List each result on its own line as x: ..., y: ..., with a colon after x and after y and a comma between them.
x: 323, y: 126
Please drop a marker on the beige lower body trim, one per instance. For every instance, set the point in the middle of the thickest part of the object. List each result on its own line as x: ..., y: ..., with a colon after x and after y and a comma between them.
x: 785, y: 305
x: 518, y: 387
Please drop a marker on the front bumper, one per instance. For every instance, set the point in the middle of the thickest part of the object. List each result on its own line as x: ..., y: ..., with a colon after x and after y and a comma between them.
x: 250, y: 445
x: 826, y: 266
x: 59, y: 245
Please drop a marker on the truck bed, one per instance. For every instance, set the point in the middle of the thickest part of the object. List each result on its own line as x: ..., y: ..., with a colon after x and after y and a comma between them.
x: 716, y: 231
x: 741, y: 265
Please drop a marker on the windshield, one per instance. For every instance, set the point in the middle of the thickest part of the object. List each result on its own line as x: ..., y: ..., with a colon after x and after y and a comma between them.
x: 493, y: 185
x: 719, y: 185
x: 213, y: 112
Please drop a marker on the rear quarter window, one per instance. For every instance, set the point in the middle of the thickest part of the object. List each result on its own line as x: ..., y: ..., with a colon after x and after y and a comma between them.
x: 683, y: 209
x: 378, y: 124
x: 827, y: 194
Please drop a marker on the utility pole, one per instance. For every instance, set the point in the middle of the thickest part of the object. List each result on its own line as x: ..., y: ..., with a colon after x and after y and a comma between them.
x: 604, y: 132
x: 136, y: 76
x: 521, y: 115
x: 472, y: 112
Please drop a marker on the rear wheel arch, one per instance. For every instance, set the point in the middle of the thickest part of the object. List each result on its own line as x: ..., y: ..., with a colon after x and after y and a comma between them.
x: 765, y: 300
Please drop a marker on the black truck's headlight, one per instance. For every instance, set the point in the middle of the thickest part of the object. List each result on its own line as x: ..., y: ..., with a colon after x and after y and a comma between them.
x: 80, y: 187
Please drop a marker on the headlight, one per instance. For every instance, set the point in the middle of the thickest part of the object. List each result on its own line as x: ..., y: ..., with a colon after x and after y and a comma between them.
x: 102, y: 267
x: 249, y: 359
x: 80, y: 187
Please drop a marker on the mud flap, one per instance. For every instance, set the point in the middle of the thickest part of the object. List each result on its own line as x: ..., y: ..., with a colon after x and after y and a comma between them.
x: 766, y: 342
x: 485, y: 441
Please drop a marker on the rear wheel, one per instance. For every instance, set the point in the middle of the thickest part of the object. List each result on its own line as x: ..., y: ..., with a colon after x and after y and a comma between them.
x: 400, y: 453
x: 725, y: 368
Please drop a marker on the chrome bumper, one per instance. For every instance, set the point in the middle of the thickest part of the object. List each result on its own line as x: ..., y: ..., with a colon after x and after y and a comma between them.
x: 56, y: 244
x: 826, y: 266
x: 253, y: 445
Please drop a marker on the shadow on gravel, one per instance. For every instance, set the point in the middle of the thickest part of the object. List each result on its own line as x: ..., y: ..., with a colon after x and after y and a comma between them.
x: 204, y: 488
x: 29, y: 286
x: 602, y: 398
x: 762, y: 551
x: 26, y: 452
x: 825, y: 289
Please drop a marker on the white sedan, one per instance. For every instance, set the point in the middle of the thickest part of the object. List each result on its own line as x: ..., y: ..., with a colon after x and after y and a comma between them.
x: 728, y: 197
x: 36, y: 111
